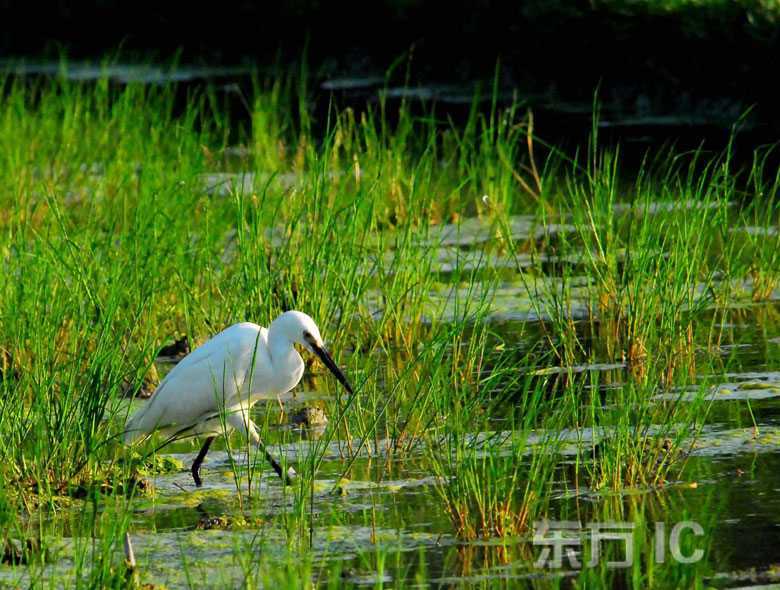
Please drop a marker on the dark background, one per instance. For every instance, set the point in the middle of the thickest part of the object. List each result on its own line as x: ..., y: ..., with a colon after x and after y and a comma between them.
x: 660, y: 68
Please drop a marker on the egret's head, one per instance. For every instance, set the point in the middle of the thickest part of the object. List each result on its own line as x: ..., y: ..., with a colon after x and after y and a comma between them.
x: 301, y: 329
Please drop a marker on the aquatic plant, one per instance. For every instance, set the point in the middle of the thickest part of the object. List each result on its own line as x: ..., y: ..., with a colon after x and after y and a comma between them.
x: 528, y: 331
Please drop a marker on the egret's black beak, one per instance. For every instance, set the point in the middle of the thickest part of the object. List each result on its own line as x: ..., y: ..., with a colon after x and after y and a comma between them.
x: 325, y: 357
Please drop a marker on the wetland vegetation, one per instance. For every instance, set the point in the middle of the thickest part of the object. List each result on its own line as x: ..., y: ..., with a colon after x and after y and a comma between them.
x: 533, y: 336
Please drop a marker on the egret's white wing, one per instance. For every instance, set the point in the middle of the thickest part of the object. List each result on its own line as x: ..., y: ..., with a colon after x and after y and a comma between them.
x: 209, y: 379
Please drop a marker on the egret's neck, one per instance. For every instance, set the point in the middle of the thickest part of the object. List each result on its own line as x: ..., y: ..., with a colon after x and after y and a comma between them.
x: 281, y: 348
x: 287, y: 363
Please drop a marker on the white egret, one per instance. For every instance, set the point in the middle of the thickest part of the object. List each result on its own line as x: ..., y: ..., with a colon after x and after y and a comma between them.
x: 214, y: 387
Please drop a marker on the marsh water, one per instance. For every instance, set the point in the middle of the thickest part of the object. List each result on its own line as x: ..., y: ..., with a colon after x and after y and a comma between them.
x: 374, y: 517
x: 380, y: 523
x: 633, y: 115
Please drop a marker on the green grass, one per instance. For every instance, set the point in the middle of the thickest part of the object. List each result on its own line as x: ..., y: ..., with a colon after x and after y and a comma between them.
x: 115, y: 240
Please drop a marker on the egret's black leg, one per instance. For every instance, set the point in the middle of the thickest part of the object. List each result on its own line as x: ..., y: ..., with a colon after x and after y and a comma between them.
x: 242, y: 422
x: 288, y: 477
x: 199, y: 459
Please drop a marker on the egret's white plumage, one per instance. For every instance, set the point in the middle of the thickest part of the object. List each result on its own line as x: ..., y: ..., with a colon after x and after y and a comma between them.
x: 215, y: 386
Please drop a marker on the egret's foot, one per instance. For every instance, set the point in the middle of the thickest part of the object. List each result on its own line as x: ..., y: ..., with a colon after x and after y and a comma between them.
x: 290, y: 477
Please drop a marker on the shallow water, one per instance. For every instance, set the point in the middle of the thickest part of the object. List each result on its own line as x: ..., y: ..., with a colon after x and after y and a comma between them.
x: 124, y: 73
x: 382, y: 523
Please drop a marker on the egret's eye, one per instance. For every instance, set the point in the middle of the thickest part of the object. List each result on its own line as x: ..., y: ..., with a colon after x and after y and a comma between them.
x: 307, y: 336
